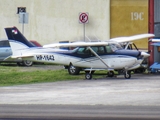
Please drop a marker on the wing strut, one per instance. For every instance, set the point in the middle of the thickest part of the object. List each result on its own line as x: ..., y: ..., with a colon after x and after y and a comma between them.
x: 98, y: 56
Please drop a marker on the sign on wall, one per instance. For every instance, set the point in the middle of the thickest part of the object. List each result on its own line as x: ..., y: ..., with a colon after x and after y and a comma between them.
x: 23, y: 17
x: 83, y: 18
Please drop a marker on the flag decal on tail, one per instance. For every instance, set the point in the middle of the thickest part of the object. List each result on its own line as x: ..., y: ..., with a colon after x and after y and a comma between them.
x: 14, y: 31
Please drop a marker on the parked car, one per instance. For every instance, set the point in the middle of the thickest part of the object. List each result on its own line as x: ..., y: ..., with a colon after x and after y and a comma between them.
x: 5, y: 51
x: 35, y: 43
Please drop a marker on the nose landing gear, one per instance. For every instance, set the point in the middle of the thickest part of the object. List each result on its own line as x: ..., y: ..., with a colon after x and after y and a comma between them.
x: 88, y: 75
x: 110, y: 73
x: 127, y: 74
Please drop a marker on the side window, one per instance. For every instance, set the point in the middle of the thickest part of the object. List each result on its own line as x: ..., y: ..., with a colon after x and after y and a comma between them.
x: 4, y: 43
x: 108, y: 49
x: 86, y: 51
x: 83, y: 50
x: 98, y: 49
x: 95, y: 49
x: 80, y: 50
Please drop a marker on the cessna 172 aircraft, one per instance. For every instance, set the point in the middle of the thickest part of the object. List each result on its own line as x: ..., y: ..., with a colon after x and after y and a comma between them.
x: 88, y: 55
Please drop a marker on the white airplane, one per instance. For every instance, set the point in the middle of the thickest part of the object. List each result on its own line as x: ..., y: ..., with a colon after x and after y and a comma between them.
x: 125, y: 42
x: 91, y: 56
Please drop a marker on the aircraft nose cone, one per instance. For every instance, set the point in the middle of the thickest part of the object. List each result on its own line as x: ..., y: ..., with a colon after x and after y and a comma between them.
x: 145, y: 55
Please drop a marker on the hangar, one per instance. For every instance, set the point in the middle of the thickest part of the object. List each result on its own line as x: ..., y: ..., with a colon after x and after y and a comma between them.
x: 58, y: 20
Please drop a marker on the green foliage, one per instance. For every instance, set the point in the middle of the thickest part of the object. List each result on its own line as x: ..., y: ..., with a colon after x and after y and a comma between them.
x: 14, y: 75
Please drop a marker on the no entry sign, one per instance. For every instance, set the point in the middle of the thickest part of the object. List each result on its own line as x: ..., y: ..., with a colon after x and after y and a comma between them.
x: 83, y: 17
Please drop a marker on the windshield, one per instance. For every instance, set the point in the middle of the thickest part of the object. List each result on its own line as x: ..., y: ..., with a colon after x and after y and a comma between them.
x: 115, y: 46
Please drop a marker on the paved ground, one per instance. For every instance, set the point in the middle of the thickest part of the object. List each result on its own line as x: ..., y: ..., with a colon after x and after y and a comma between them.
x: 117, y: 98
x: 139, y: 90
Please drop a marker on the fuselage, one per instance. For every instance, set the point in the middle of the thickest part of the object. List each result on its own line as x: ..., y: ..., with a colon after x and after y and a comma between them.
x: 83, y: 57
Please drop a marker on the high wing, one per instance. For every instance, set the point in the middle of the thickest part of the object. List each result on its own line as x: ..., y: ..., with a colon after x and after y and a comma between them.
x: 118, y: 39
x: 132, y: 38
x: 75, y: 44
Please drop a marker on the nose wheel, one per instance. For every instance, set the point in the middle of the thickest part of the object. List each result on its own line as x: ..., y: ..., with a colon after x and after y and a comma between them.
x: 127, y: 74
x: 110, y: 74
x: 88, y: 76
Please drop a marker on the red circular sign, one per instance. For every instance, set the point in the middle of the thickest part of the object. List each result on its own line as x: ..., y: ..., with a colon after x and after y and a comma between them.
x: 83, y: 17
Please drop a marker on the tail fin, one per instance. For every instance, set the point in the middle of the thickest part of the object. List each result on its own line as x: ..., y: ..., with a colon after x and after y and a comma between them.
x: 17, y: 47
x: 14, y: 34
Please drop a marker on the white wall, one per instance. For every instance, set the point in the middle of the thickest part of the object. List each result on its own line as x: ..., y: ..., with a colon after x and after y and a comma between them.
x: 57, y: 20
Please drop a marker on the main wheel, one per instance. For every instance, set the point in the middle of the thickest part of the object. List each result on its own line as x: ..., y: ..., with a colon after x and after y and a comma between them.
x: 27, y: 63
x: 110, y: 74
x: 72, y: 70
x: 88, y: 76
x: 127, y: 74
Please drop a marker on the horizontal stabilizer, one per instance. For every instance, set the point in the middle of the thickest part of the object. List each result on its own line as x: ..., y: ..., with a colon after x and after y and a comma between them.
x: 17, y: 57
x: 24, y: 56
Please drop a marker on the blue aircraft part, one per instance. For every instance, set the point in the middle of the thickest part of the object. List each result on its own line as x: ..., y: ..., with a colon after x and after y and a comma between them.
x: 156, y: 44
x: 155, y: 67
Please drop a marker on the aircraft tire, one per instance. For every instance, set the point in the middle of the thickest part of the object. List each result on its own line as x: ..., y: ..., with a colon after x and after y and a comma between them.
x: 88, y: 76
x: 110, y: 74
x: 19, y: 63
x: 127, y: 75
x: 72, y: 70
x: 27, y: 63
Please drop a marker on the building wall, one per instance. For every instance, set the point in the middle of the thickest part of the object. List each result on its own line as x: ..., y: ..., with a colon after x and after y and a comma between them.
x: 157, y: 18
x: 156, y: 55
x: 57, y: 20
x: 129, y: 17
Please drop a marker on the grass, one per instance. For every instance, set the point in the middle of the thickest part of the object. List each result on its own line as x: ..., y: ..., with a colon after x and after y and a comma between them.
x: 15, y: 75
x: 11, y: 74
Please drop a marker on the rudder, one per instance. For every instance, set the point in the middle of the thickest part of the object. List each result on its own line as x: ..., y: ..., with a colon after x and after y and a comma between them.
x: 14, y: 34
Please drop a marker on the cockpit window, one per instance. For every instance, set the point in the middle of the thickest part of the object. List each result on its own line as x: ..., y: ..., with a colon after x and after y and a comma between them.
x: 98, y: 49
x: 83, y: 50
x: 109, y: 49
x: 115, y: 47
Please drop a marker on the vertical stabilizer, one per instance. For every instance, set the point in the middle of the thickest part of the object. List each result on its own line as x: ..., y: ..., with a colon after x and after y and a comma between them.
x: 14, y: 34
x: 17, y: 47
